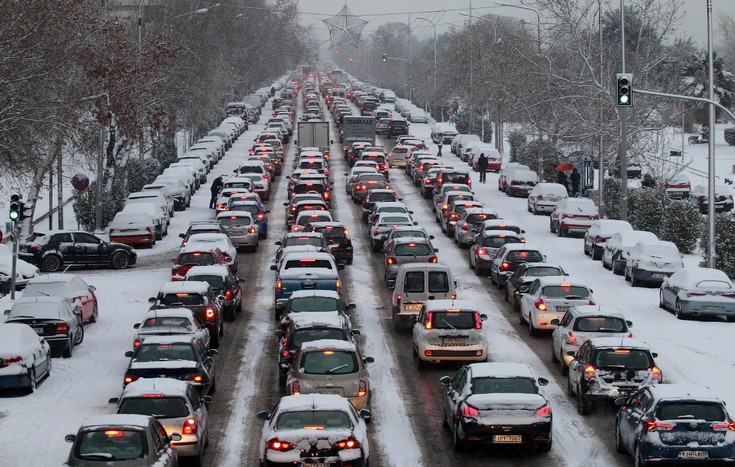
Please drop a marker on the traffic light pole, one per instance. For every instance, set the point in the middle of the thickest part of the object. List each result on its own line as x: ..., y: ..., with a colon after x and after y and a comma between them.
x: 14, y: 266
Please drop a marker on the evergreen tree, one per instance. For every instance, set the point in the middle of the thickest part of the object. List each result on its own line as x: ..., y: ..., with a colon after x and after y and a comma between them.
x: 725, y: 244
x: 645, y: 210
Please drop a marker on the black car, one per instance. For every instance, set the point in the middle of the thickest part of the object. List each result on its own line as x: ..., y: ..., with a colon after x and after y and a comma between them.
x: 52, y: 251
x: 53, y: 318
x: 398, y: 127
x: 176, y: 357
x: 196, y: 227
x: 338, y: 239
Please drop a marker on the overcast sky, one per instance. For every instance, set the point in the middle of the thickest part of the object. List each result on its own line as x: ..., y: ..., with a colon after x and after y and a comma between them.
x: 445, y: 13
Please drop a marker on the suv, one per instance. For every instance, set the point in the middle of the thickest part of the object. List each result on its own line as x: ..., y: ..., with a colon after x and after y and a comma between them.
x: 52, y: 250
x: 509, y: 257
x: 397, y: 127
x: 176, y: 405
x: 224, y: 283
x: 338, y: 238
x: 197, y: 296
x: 607, y: 368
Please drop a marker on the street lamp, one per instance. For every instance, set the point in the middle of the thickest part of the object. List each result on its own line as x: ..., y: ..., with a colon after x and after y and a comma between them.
x: 140, y: 29
x: 434, y: 26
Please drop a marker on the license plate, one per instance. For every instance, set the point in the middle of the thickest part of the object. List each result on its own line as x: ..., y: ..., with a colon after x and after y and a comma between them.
x: 507, y: 438
x: 39, y: 331
x: 314, y: 464
x: 658, y: 276
x: 694, y: 455
x: 581, y: 217
x: 562, y: 309
x: 713, y: 308
x: 454, y: 340
x: 333, y: 391
x: 414, y: 306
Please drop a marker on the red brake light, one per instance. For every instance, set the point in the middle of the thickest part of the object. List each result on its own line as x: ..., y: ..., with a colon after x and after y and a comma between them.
x: 429, y: 320
x: 652, y: 425
x: 278, y: 445
x: 482, y: 251
x: 209, y: 314
x: 469, y: 411
x: 197, y: 378
x: 478, y: 321
x: 544, y: 411
x: 433, y: 260
x: 571, y: 338
x: 228, y: 295
x: 390, y: 261
x: 362, y: 390
x: 589, y: 372
x: 8, y: 361
x: 724, y: 426
x: 540, y: 305
x: 656, y: 372
x: 349, y: 443
x: 505, y: 266
x: 398, y: 300
x: 129, y: 379
x: 279, y: 288
x: 62, y: 328
x: 136, y: 343
x: 296, y: 388
x: 190, y: 427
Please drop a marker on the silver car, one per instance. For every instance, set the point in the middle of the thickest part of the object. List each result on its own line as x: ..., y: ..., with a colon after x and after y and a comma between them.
x: 241, y: 229
x: 406, y: 250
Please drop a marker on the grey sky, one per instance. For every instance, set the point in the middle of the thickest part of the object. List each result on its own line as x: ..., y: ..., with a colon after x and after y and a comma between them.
x: 383, y: 11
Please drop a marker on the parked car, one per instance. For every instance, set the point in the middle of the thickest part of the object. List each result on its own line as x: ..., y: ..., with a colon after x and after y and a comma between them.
x: 24, y: 271
x: 723, y: 198
x: 133, y: 228
x: 573, y: 216
x: 652, y: 262
x: 544, y: 197
x: 698, y: 292
x: 548, y: 299
x: 26, y: 357
x: 71, y: 287
x: 521, y: 183
x: 678, y: 187
x: 52, y: 250
x: 599, y: 232
x: 496, y: 403
x: 53, y: 318
x: 129, y: 440
x: 617, y: 248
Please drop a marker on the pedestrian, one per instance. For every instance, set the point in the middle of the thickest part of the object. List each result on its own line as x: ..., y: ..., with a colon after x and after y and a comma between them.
x: 561, y: 178
x: 576, y: 178
x: 439, y: 154
x: 214, y: 190
x: 482, y: 166
x: 273, y: 91
x: 649, y: 182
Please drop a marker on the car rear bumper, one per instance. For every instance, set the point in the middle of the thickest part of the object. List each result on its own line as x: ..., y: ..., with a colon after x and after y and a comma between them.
x: 656, y: 452
x: 536, y: 433
x: 463, y: 353
x: 247, y: 240
x: 13, y: 381
x: 133, y: 239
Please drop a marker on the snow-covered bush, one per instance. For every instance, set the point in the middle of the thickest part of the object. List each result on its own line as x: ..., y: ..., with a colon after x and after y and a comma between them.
x: 730, y: 136
x: 142, y: 172
x: 725, y: 244
x: 682, y: 224
x: 112, y: 202
x: 612, y: 195
x: 644, y: 210
x: 517, y: 142
x: 527, y: 153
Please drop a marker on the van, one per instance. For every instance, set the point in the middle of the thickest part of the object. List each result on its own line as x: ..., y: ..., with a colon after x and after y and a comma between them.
x: 415, y: 283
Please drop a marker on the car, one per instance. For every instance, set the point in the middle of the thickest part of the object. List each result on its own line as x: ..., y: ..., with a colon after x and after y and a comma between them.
x: 606, y: 368
x: 573, y: 216
x: 549, y: 298
x: 678, y: 187
x: 521, y: 183
x: 129, y: 440
x: 51, y: 317
x: 486, y: 245
x: 581, y: 323
x: 453, y: 176
x: 25, y: 356
x: 325, y: 421
x: 330, y: 366
x: 71, y: 287
x: 169, y: 322
x: 177, y: 405
x: 195, y: 227
x: 449, y: 330
x: 304, y: 186
x: 397, y: 127
x: 383, y: 225
x: 673, y: 423
x: 509, y: 257
x: 337, y: 237
x: 223, y: 199
x: 153, y: 209
x: 225, y: 285
x: 24, y: 271
x: 496, y: 403
x: 257, y: 211
x: 404, y: 251
x: 180, y: 357
x: 438, y: 193
x: 507, y: 172
x: 297, y: 239
x: 599, y: 232
x: 446, y: 202
x: 523, y: 276
x: 133, y: 228
x: 465, y: 228
x: 453, y: 213
x: 240, y: 228
x: 723, y: 198
x: 310, y: 216
x: 314, y: 301
x: 377, y: 196
x: 617, y: 248
x: 544, y: 197
x: 366, y: 182
x: 191, y: 255
x: 304, y: 205
x: 54, y: 249
x: 386, y: 207
x: 652, y: 262
x: 304, y: 270
x: 398, y: 156
x: 403, y: 231
x: 501, y: 224
x: 698, y: 292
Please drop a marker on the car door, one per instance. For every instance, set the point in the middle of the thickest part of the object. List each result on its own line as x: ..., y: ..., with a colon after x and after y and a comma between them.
x: 558, y: 336
x: 82, y: 296
x: 631, y: 415
x: 89, y: 249
x: 576, y: 367
x: 162, y: 452
x: 207, y: 361
x: 452, y: 396
x: 74, y: 320
x: 419, y: 329
x: 529, y: 298
x: 64, y: 244
x: 199, y: 408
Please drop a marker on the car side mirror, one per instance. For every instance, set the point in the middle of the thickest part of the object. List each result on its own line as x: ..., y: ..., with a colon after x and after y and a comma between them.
x: 431, y: 237
x: 654, y: 354
x: 113, y: 400
x: 400, y: 199
x: 70, y: 438
x: 355, y: 332
x: 554, y: 322
x: 445, y: 381
x: 136, y: 325
x: 181, y: 235
x: 365, y: 414
x: 241, y: 281
x: 436, y: 250
x: 129, y: 354
x: 279, y: 333
x: 455, y: 284
x: 273, y: 267
x: 620, y: 401
x: 92, y: 288
x: 285, y: 204
x: 415, y: 223
x: 629, y: 323
x: 6, y: 312
x: 368, y: 360
x: 340, y: 266
x: 207, y: 399
x: 263, y: 416
x: 543, y: 381
x: 152, y: 300
x: 483, y: 317
x: 211, y: 352
x: 351, y: 306
x: 331, y: 141
x: 234, y: 171
x: 391, y: 283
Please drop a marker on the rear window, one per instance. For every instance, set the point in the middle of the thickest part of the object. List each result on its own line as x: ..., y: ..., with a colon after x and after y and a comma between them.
x: 111, y: 445
x: 314, y: 334
x: 307, y: 187
x: 158, y: 407
x: 313, y: 420
x: 600, y: 324
x: 529, y: 256
x: 467, y: 197
x: 455, y: 178
x: 438, y: 282
x: 414, y: 282
x: 566, y: 291
x: 503, y: 386
x: 633, y: 359
x: 298, y: 241
x: 303, y: 220
x: 182, y: 299
x: 313, y: 304
x: 167, y: 322
x: 250, y: 169
x: 329, y: 362
x: 479, y: 218
x: 707, y: 411
x: 251, y: 208
x: 309, y: 263
x: 332, y: 233
x: 196, y: 259
x: 371, y: 178
x: 231, y: 221
x: 497, y: 242
x: 543, y: 271
x: 164, y: 352
x: 413, y: 249
x: 448, y: 320
x: 214, y: 281
x: 378, y: 197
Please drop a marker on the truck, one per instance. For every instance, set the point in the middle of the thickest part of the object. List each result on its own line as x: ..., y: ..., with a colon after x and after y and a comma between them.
x: 356, y: 128
x: 304, y: 271
x: 314, y: 135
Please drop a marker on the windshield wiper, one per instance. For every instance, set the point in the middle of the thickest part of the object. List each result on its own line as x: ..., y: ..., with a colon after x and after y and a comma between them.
x: 450, y: 326
x: 103, y: 455
x: 337, y: 368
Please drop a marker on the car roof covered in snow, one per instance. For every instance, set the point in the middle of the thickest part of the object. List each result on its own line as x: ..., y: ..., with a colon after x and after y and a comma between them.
x: 501, y: 370
x: 199, y: 287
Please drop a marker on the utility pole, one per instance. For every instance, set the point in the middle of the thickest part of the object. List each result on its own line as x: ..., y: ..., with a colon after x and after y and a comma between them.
x: 623, y: 128
x: 601, y: 164
x: 711, y: 248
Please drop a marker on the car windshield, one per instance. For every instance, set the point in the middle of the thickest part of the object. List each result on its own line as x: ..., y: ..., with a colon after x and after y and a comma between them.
x: 566, y: 291
x: 453, y: 320
x: 632, y: 359
x: 313, y: 420
x: 56, y: 289
x: 543, y: 271
x: 155, y: 405
x: 690, y: 410
x: 164, y: 352
x: 309, y: 263
x: 235, y: 221
x: 111, y: 445
x: 214, y: 280
x: 507, y: 385
x: 182, y: 299
x: 600, y: 324
x: 525, y: 255
x: 329, y: 362
x: 497, y: 242
x: 412, y: 249
x: 167, y: 322
x: 314, y: 304
x: 196, y: 259
x: 314, y: 334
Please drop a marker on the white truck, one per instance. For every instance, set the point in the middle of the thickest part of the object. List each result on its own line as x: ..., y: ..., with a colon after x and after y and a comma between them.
x: 314, y: 135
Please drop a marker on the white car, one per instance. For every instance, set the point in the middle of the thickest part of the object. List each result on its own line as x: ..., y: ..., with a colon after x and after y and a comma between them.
x: 544, y: 197
x: 549, y: 298
x: 240, y: 228
x: 171, y: 321
x: 24, y: 271
x: 652, y: 262
x: 573, y: 215
x: 210, y: 241
x: 449, y: 330
x: 133, y: 228
x: 383, y: 226
x: 322, y: 423
x: 599, y: 232
x: 26, y: 357
x: 617, y: 248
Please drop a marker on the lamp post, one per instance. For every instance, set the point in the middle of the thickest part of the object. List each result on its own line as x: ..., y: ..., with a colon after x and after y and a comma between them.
x: 433, y: 25
x: 140, y: 29
x: 711, y: 250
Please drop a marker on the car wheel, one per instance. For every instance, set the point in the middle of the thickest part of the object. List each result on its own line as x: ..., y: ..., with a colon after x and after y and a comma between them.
x: 551, y: 227
x: 563, y: 368
x: 95, y: 314
x: 618, y: 440
x: 32, y: 384
x: 81, y: 337
x: 396, y: 321
x: 521, y: 318
x: 661, y: 302
x: 420, y: 364
x: 596, y: 254
x: 583, y: 405
x: 119, y: 260
x: 505, y: 294
x: 560, y: 232
x: 469, y: 261
x: 492, y: 277
x: 238, y: 309
x: 677, y: 311
x: 570, y: 390
x: 213, y: 387
x: 638, y: 458
x: 536, y: 213
x: 49, y: 365
x: 545, y: 447
x: 532, y: 331
x: 67, y: 352
x: 51, y: 263
x: 457, y: 441
x: 633, y: 281
x: 214, y: 341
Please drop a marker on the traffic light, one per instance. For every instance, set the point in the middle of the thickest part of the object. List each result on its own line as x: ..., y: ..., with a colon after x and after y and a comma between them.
x: 336, y: 52
x: 625, y: 89
x: 385, y: 57
x: 350, y: 59
x: 16, y: 208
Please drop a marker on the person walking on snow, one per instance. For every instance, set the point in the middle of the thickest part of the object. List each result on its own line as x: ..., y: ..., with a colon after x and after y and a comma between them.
x: 214, y: 190
x: 482, y: 165
x: 575, y: 178
x: 439, y: 145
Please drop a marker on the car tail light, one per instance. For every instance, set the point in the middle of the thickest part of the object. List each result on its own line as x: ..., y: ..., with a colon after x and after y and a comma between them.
x: 190, y: 427
x: 540, y: 197
x: 362, y: 390
x: 429, y: 320
x: 454, y: 215
x: 129, y: 379
x: 469, y: 182
x: 433, y: 259
x: 482, y: 251
x: 653, y: 425
x: 349, y: 443
x: 571, y: 338
x: 196, y: 378
x: 589, y: 372
x: 209, y: 314
x: 260, y: 217
x: 279, y: 289
x: 376, y: 231
x: 469, y: 411
x: 8, y: 361
x: 544, y: 411
x: 591, y: 302
x: 390, y: 261
x: 398, y: 300
x: 724, y: 426
x: 228, y: 295
x: 296, y: 388
x: 338, y: 286
x: 656, y: 372
x: 540, y: 305
x: 252, y: 230
x: 478, y: 321
x: 445, y: 207
x: 504, y: 266
x: 136, y: 343
x: 62, y: 328
x: 465, y: 226
x: 278, y: 445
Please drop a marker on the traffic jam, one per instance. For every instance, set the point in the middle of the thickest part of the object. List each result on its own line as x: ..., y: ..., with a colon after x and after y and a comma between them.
x: 352, y: 296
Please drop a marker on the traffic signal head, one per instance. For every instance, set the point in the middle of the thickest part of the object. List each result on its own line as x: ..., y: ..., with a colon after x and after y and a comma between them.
x: 625, y: 89
x: 16, y: 208
x: 385, y: 57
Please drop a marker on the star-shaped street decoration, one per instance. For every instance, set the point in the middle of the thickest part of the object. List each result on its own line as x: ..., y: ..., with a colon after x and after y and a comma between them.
x: 345, y: 27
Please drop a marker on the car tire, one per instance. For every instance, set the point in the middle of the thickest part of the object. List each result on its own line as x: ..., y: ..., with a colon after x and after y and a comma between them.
x: 638, y: 458
x: 67, y: 352
x: 95, y: 314
x: 677, y: 311
x: 554, y: 358
x: 533, y: 332
x: 119, y: 260
x: 51, y: 263
x: 560, y: 232
x: 238, y: 309
x: 563, y: 368
x: 618, y: 440
x: 521, y: 318
x: 505, y: 294
x: 633, y: 281
x: 457, y: 441
x: 536, y: 212
x: 661, y: 302
x: 31, y: 388
x: 570, y: 390
x: 583, y: 405
x: 420, y: 364
x: 551, y: 227
x: 213, y: 387
x: 214, y: 341
x: 81, y: 338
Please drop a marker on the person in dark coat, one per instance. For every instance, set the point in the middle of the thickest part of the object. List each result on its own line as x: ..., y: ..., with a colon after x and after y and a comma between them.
x: 561, y: 178
x: 482, y: 166
x: 575, y: 178
x: 273, y: 91
x: 439, y: 145
x: 214, y: 190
